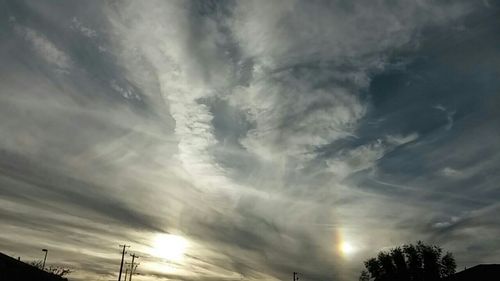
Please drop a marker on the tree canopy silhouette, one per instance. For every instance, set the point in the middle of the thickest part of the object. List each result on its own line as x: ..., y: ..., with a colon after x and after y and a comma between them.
x: 410, y: 262
x: 56, y: 270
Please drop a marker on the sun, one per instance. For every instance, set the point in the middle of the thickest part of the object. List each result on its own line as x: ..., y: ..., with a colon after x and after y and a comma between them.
x: 170, y: 247
x: 346, y: 248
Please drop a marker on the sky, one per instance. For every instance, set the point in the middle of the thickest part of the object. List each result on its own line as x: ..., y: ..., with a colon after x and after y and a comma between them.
x: 247, y: 140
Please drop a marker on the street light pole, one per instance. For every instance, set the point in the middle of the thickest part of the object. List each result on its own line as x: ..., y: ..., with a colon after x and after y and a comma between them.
x: 45, y: 258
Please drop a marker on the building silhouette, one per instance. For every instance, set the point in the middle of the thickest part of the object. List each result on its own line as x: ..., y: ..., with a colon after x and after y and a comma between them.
x: 15, y: 270
x: 482, y: 272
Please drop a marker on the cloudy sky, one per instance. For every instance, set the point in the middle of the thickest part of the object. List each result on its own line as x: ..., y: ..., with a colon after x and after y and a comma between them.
x: 246, y: 140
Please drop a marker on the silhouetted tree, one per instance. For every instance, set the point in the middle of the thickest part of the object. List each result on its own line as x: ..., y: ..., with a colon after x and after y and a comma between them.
x: 418, y: 262
x: 448, y: 265
x: 56, y: 270
x: 365, y: 276
x: 59, y: 270
x: 38, y: 264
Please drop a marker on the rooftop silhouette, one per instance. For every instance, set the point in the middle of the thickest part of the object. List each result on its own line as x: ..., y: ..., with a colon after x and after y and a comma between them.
x: 15, y: 270
x: 482, y: 272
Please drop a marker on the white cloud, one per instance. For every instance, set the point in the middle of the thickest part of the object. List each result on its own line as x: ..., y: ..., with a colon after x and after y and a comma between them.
x: 45, y: 48
x: 78, y: 25
x: 283, y: 33
x: 449, y: 115
x: 187, y: 69
x: 364, y: 157
x: 400, y: 140
x: 126, y: 92
x: 443, y: 224
x: 292, y: 118
x: 292, y: 114
x: 453, y: 173
x: 357, y: 159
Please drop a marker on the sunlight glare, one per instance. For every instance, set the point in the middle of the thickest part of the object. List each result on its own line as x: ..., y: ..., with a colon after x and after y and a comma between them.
x: 169, y: 246
x: 346, y: 248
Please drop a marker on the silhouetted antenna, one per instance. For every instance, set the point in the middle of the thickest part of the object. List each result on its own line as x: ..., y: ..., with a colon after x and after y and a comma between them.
x: 132, y: 266
x: 121, y: 264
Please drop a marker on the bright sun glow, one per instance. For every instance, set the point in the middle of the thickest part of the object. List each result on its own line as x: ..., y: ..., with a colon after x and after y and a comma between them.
x: 346, y: 248
x: 169, y: 246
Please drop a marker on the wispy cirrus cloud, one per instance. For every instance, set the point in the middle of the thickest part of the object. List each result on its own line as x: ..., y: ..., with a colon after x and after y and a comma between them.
x: 44, y: 47
x: 265, y: 133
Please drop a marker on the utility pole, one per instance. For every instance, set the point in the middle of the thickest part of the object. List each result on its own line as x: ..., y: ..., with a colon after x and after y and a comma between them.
x: 132, y: 271
x: 121, y: 264
x: 126, y: 272
x: 45, y: 258
x: 132, y: 266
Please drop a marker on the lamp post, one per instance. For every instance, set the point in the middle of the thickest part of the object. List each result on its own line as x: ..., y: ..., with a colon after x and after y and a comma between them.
x: 45, y: 258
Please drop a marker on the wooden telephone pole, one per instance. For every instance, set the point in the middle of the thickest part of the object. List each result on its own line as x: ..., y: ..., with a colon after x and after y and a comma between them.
x: 121, y: 264
x: 132, y: 266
